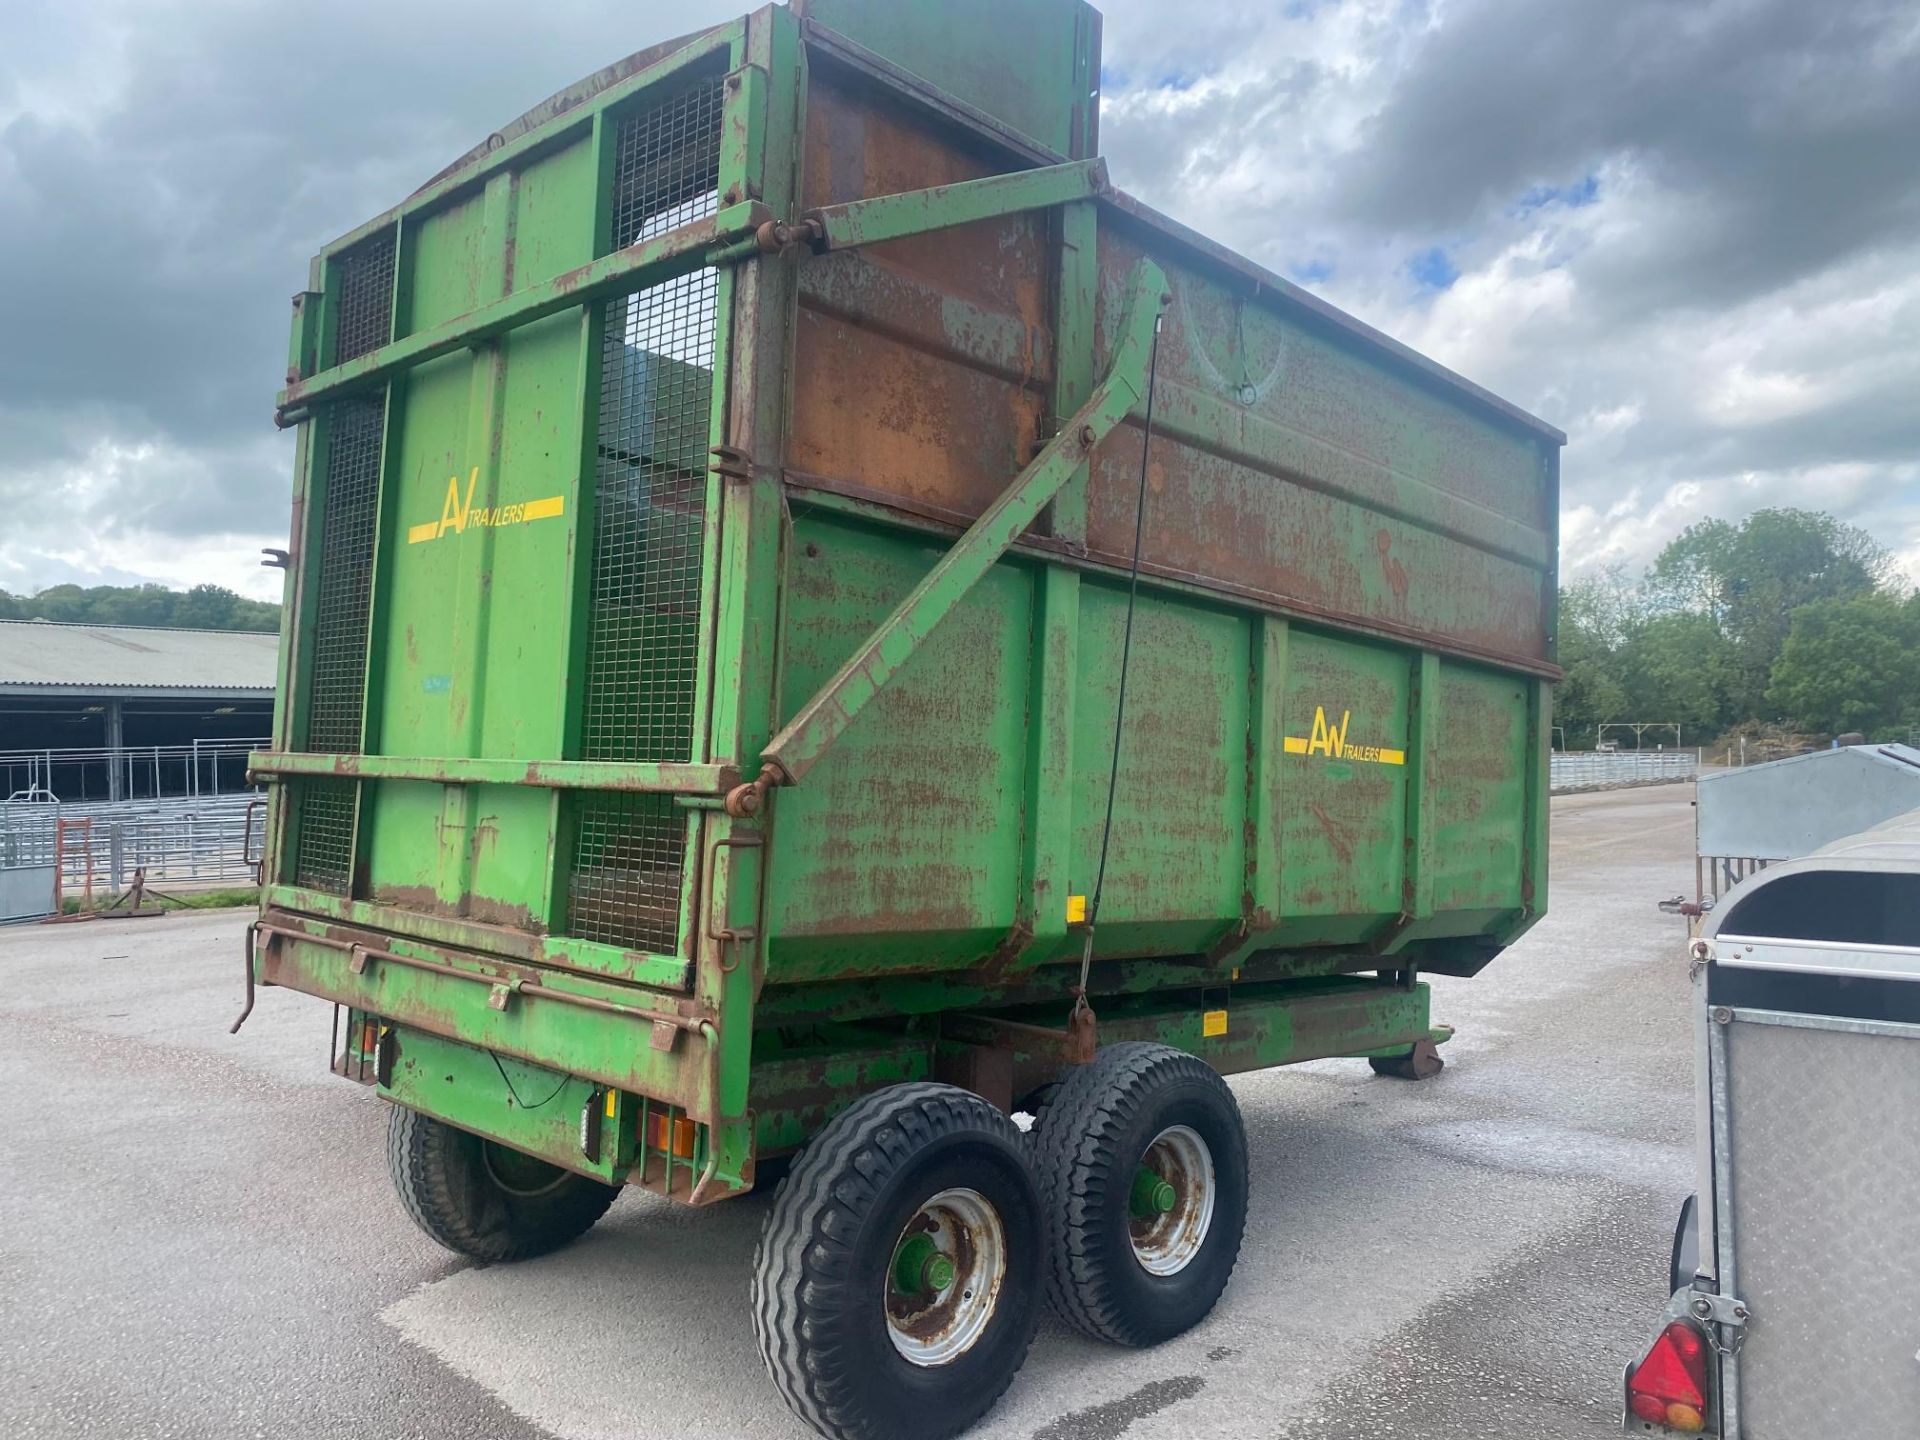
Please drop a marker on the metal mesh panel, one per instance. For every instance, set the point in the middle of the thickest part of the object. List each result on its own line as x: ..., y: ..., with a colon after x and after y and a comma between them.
x: 643, y: 646
x: 629, y: 850
x: 323, y: 858
x: 655, y: 402
x: 667, y: 164
x: 362, y: 296
x: 343, y: 558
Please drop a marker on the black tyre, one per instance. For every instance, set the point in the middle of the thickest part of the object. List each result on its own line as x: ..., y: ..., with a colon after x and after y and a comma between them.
x: 897, y: 1283
x: 769, y: 1174
x: 1034, y: 1103
x: 485, y: 1200
x: 1142, y: 1160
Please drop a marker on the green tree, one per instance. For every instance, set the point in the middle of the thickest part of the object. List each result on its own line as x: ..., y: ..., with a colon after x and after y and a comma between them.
x: 204, y: 607
x: 1678, y: 667
x: 1748, y: 579
x: 1850, y: 665
x: 1594, y: 616
x: 1695, y: 571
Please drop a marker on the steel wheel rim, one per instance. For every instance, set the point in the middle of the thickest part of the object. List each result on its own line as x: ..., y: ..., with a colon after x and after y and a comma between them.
x: 936, y: 1325
x: 1165, y: 1244
x: 513, y: 1172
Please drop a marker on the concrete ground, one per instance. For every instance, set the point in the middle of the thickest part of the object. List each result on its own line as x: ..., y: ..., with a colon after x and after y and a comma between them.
x: 197, y: 1237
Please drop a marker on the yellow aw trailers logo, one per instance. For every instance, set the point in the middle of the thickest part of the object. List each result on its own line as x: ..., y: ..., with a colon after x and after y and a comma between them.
x: 458, y: 512
x: 1331, y: 741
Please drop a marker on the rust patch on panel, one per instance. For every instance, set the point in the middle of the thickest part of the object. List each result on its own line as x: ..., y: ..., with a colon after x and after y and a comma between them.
x: 1310, y: 549
x: 1390, y: 566
x: 425, y: 900
x: 1296, y: 452
x: 904, y: 380
x: 1336, y: 834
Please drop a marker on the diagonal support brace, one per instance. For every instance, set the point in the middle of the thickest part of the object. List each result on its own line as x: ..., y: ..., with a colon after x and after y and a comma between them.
x: 821, y: 720
x: 940, y: 207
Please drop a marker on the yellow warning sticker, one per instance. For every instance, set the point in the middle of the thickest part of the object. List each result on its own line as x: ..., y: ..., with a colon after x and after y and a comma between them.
x: 1213, y: 1022
x: 1331, y: 741
x: 458, y: 512
x: 1076, y: 909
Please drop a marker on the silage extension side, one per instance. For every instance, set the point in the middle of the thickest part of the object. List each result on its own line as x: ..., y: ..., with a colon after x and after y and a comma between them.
x: 714, y: 509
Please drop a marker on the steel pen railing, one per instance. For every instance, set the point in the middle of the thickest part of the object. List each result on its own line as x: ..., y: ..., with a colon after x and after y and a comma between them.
x: 1605, y: 770
x: 187, y: 840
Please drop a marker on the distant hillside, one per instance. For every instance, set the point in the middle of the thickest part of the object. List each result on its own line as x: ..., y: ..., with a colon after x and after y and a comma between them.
x: 204, y: 607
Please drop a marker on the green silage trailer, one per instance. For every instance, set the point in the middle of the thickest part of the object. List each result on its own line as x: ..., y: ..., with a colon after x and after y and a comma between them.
x: 816, y: 625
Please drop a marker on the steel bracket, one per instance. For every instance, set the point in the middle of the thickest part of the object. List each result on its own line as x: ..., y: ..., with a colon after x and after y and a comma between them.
x: 1728, y: 1312
x: 940, y: 207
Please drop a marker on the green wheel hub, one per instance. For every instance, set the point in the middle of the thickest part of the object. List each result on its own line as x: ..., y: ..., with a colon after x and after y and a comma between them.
x: 1152, y: 1196
x: 1170, y: 1207
x: 920, y: 1267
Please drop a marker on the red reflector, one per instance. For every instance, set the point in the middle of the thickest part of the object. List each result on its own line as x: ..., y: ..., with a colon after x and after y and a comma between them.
x: 1674, y: 1374
x: 1646, y: 1407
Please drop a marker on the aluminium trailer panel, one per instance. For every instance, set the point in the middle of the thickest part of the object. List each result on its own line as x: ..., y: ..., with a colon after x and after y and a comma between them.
x: 1808, y: 1002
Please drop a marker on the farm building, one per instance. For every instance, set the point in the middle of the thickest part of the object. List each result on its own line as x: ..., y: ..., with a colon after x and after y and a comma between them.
x: 109, y: 712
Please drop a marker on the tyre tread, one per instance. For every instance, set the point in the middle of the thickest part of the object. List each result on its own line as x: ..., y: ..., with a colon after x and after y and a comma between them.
x: 817, y: 1208
x: 1074, y: 1151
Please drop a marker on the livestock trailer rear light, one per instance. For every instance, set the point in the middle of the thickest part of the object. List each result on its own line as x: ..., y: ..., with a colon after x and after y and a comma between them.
x: 1669, y: 1387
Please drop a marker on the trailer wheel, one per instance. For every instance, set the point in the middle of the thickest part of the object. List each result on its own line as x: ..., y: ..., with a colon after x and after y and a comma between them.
x: 897, y: 1283
x: 485, y: 1200
x: 1143, y: 1175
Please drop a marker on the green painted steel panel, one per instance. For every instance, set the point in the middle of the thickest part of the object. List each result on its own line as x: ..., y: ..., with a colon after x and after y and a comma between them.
x: 1022, y: 62
x: 529, y: 1107
x: 901, y: 849
x: 1343, y: 823
x: 1176, y: 861
x: 1479, y: 814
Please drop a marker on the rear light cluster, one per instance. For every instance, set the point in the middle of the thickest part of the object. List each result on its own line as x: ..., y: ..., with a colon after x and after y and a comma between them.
x: 669, y: 1134
x: 1669, y: 1386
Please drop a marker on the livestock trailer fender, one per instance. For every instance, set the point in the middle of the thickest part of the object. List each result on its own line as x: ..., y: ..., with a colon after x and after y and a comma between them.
x: 816, y: 624
x: 1796, y: 1267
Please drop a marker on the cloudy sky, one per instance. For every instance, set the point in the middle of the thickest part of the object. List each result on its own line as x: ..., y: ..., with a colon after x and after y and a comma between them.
x: 1685, y: 231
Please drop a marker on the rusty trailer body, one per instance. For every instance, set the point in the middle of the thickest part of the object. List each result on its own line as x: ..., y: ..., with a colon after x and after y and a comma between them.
x: 715, y: 533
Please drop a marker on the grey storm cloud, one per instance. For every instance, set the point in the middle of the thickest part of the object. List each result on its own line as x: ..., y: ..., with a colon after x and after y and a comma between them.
x: 1687, y: 232
x: 1793, y: 125
x: 159, y: 229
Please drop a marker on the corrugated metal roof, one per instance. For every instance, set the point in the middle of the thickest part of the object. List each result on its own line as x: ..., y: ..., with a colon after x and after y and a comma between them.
x: 35, y: 654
